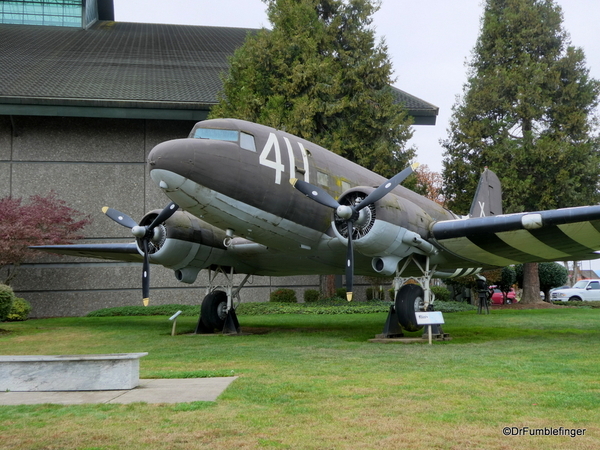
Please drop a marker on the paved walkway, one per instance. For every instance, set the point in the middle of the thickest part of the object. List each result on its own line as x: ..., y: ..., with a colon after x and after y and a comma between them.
x: 178, y: 390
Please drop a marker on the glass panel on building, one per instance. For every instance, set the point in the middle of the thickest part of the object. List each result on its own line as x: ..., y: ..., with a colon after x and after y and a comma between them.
x: 62, y: 13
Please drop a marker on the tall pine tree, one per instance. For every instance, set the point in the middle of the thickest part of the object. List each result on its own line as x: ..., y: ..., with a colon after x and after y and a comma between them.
x: 527, y: 114
x: 319, y: 74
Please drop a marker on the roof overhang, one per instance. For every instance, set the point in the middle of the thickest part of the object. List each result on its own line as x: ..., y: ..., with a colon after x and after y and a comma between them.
x: 103, y: 109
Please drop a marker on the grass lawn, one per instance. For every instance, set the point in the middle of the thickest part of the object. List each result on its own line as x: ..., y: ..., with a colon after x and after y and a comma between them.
x: 315, y: 382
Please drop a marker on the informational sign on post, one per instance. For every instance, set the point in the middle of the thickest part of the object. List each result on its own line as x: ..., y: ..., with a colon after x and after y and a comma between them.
x: 429, y: 318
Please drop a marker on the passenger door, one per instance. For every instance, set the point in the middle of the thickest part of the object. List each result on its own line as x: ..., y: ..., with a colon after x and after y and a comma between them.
x: 593, y: 291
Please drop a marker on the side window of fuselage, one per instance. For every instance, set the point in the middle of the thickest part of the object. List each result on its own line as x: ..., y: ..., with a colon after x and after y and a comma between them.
x: 323, y: 179
x: 247, y: 141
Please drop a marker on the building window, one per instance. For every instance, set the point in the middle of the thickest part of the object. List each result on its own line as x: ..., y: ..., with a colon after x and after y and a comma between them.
x: 62, y: 13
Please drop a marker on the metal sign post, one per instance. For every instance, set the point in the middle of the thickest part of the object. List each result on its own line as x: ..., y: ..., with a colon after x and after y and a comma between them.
x: 174, y: 319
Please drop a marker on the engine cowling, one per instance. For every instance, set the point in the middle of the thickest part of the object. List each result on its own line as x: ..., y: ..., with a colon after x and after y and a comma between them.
x: 183, y: 243
x: 384, y: 230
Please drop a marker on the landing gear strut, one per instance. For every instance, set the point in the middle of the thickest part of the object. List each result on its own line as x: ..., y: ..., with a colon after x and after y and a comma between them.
x: 218, y: 310
x: 410, y: 299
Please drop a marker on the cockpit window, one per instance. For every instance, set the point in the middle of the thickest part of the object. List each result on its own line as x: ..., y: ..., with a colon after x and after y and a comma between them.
x: 218, y: 135
x: 247, y: 141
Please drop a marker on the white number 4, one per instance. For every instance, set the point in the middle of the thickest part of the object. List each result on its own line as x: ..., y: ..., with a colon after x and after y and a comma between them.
x: 272, y: 144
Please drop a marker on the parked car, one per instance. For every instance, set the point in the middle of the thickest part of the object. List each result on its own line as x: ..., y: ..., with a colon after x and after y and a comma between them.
x: 498, y: 297
x: 584, y: 290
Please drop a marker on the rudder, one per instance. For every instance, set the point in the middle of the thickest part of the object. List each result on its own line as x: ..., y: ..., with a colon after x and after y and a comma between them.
x: 488, y: 197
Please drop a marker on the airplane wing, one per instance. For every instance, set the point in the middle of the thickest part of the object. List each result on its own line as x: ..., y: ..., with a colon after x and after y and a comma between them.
x: 569, y: 234
x: 118, y: 252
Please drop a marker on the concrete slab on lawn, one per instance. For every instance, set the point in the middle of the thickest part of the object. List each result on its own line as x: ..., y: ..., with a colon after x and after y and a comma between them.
x: 173, y: 390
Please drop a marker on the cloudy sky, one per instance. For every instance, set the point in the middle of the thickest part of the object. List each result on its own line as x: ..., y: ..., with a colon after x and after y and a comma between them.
x: 428, y: 42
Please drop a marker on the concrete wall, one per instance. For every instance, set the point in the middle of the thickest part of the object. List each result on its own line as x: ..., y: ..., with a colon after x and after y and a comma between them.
x: 92, y: 163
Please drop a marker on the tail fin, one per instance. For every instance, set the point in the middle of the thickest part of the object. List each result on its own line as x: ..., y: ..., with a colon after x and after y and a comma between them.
x: 488, y: 198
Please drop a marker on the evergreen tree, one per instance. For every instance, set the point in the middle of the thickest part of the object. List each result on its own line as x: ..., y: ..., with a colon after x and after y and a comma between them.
x: 527, y: 114
x: 319, y: 74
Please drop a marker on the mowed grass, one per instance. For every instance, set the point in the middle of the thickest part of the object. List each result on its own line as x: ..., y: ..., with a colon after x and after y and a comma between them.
x: 315, y: 382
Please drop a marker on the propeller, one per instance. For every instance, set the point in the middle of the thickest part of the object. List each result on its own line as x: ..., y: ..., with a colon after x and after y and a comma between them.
x: 351, y: 213
x: 146, y: 234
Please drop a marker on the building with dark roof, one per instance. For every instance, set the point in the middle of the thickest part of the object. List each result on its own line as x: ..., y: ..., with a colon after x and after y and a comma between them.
x: 83, y: 99
x: 126, y: 70
x: 114, y: 70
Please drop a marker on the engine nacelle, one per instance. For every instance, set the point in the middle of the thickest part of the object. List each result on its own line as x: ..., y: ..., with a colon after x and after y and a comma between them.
x: 383, y: 230
x: 384, y: 239
x: 183, y: 243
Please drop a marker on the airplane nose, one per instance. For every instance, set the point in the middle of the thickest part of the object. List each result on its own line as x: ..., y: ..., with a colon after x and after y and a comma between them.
x: 184, y: 165
x: 175, y: 156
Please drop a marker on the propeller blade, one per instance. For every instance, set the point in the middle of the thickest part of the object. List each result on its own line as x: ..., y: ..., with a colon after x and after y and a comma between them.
x: 316, y: 193
x: 346, y: 212
x: 164, y: 215
x: 143, y: 233
x: 349, y: 262
x: 119, y: 217
x: 146, y: 274
x: 391, y: 184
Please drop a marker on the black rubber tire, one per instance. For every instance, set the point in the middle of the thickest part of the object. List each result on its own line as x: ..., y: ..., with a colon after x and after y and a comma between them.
x: 213, y: 311
x: 574, y: 299
x: 408, y: 301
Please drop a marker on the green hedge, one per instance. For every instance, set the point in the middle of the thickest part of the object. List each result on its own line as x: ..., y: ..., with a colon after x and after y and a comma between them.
x: 7, y: 297
x: 329, y: 307
x: 588, y: 305
x: 311, y: 296
x: 19, y: 311
x: 375, y: 293
x: 441, y: 293
x: 283, y: 296
x: 450, y: 307
x: 326, y: 306
x: 155, y: 310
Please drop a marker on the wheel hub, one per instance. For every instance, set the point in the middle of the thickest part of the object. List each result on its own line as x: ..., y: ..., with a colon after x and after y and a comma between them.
x: 222, y: 310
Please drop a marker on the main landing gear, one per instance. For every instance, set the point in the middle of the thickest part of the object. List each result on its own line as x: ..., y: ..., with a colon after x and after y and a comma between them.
x: 409, y: 300
x: 218, y: 310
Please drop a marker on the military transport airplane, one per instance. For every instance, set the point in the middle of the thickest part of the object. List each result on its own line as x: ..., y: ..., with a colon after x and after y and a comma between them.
x: 234, y: 211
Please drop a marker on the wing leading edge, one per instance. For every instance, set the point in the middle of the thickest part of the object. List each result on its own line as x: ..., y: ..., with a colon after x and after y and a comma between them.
x: 119, y: 252
x: 569, y: 234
